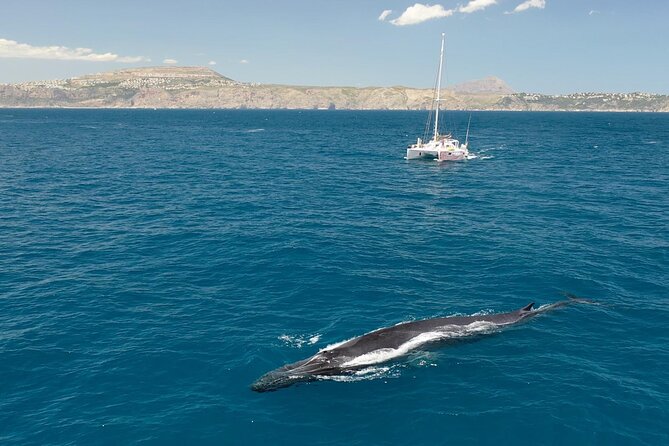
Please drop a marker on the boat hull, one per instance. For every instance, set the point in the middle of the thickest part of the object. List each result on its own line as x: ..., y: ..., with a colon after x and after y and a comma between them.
x: 452, y: 156
x: 437, y: 152
x: 423, y: 153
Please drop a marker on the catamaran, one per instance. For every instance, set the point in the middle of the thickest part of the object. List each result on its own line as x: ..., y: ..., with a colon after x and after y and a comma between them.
x: 441, y: 147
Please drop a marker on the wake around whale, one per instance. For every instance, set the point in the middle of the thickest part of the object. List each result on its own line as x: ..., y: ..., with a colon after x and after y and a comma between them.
x: 388, y: 343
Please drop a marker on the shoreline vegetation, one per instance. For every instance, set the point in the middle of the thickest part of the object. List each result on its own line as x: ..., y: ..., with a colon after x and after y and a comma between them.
x: 203, y: 88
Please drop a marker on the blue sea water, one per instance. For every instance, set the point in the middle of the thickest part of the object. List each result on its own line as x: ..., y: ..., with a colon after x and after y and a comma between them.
x: 153, y: 264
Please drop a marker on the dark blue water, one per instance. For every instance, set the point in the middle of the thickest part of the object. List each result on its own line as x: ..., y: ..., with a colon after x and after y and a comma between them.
x: 153, y: 264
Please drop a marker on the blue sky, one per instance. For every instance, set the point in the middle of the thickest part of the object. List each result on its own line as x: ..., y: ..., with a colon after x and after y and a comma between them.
x: 546, y: 46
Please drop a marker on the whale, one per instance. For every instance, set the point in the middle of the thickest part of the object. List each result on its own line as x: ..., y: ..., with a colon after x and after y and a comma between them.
x: 389, y: 343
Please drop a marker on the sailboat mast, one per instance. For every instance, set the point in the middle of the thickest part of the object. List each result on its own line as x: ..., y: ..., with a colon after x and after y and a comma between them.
x: 468, y: 122
x: 441, y: 63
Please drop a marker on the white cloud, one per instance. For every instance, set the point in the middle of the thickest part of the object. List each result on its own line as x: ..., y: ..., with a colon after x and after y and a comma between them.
x: 212, y: 62
x: 420, y: 13
x: 593, y: 11
x: 170, y: 61
x: 539, y: 4
x: 476, y: 5
x: 384, y: 15
x: 14, y: 49
x: 243, y: 61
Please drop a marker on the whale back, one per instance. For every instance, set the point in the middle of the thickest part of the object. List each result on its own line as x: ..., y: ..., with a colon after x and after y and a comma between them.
x: 397, y: 335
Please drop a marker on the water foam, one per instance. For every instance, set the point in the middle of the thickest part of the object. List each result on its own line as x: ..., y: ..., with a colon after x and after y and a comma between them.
x: 299, y: 341
x: 502, y: 147
x: 365, y: 374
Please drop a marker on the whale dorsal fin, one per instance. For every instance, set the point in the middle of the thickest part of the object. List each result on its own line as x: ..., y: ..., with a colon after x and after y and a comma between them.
x: 527, y: 307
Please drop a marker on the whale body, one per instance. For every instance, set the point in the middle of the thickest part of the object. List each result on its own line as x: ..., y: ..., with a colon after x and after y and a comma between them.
x: 388, y: 343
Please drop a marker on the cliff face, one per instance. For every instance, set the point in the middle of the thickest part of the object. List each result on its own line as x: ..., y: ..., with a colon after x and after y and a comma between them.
x: 197, y: 87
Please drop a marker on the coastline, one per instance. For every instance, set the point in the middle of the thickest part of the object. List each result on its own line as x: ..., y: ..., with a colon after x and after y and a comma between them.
x: 478, y: 110
x: 203, y: 88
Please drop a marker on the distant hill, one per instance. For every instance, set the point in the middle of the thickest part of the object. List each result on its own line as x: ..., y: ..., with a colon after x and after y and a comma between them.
x: 174, y: 75
x: 489, y: 85
x: 200, y: 87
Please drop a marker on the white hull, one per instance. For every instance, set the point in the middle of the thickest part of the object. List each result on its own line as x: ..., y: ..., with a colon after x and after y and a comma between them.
x: 446, y: 149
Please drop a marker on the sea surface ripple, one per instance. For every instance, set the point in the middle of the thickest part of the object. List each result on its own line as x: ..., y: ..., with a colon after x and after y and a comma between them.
x: 153, y: 264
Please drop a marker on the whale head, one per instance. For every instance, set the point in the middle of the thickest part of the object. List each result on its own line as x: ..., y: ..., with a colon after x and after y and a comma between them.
x: 277, y: 379
x: 301, y: 371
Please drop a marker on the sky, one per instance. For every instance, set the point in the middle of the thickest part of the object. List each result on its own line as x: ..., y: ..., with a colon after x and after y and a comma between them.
x: 538, y: 46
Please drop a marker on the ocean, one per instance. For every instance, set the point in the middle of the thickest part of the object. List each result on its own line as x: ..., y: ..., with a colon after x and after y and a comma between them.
x: 154, y: 264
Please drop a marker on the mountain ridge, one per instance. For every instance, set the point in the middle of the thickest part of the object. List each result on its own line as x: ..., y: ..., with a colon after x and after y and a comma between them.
x: 202, y: 87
